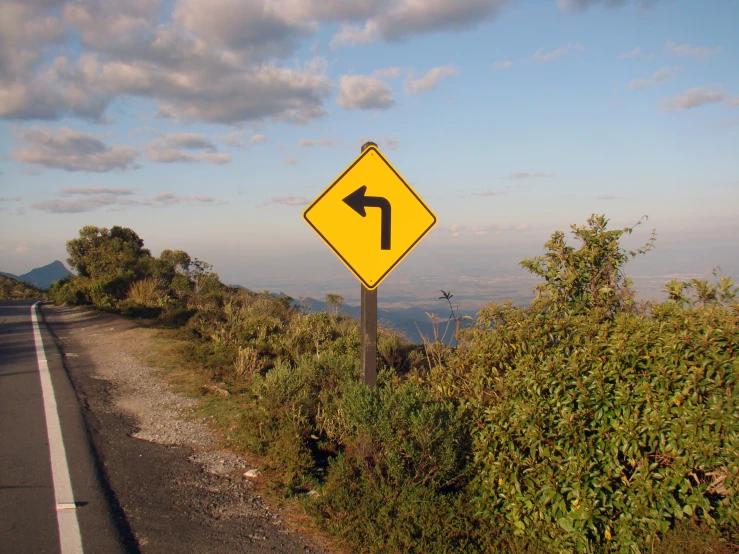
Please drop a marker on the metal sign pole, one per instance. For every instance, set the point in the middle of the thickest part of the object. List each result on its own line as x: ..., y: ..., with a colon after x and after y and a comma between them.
x: 370, y: 247
x: 368, y: 328
x: 368, y: 336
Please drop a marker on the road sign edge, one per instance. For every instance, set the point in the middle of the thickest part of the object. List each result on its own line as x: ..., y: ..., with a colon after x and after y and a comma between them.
x: 339, y: 178
x: 402, y: 180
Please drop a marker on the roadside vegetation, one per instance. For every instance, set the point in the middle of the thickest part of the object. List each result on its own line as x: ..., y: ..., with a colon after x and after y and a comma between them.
x: 12, y: 289
x: 585, y: 422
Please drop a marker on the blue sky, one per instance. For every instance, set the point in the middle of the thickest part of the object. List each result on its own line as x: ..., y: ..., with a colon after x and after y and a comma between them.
x: 208, y: 126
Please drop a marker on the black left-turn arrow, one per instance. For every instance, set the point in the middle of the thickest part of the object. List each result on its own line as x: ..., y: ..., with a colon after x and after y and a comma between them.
x: 357, y: 201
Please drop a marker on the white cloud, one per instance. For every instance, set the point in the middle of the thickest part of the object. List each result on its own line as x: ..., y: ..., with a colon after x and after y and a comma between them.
x: 91, y: 201
x: 21, y: 248
x: 112, y: 25
x: 291, y: 161
x: 70, y: 150
x: 526, y: 175
x: 238, y: 139
x: 484, y: 230
x: 391, y: 143
x: 486, y: 193
x: 163, y: 199
x: 221, y: 61
x: 692, y: 98
x: 636, y: 53
x: 288, y: 200
x: 659, y: 76
x: 571, y: 6
x: 173, y: 148
x: 94, y: 191
x: 260, y: 29
x: 171, y: 155
x: 387, y: 73
x: 10, y: 199
x: 701, y: 53
x: 404, y: 18
x: 430, y: 80
x: 23, y: 27
x: 544, y: 56
x: 360, y: 92
x: 211, y: 61
x: 733, y: 102
x: 610, y: 197
x: 245, y: 95
x: 89, y: 204
x: 307, y: 143
x: 502, y: 65
x: 631, y: 53
x: 355, y: 35
x: 190, y: 141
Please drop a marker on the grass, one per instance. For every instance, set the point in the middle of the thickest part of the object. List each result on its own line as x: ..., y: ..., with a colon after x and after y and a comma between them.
x: 463, y: 447
x: 11, y: 289
x: 281, y: 388
x: 224, y: 414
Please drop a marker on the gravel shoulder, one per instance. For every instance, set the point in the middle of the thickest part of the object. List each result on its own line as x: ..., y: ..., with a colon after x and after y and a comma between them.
x: 161, y: 465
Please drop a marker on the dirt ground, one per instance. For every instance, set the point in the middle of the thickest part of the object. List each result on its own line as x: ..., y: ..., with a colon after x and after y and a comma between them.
x: 175, y: 490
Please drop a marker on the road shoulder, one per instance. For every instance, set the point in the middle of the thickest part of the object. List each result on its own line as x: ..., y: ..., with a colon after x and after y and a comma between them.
x: 177, y: 490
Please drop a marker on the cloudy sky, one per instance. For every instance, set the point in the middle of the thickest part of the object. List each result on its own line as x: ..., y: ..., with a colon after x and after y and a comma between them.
x: 209, y: 125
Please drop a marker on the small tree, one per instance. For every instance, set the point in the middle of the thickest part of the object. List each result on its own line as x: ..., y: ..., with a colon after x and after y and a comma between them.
x: 334, y: 302
x: 700, y: 291
x: 589, y: 278
x: 203, y: 278
x: 109, y: 260
x: 104, y: 253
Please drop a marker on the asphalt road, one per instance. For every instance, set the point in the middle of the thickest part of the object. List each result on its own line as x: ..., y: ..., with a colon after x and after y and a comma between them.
x: 28, y: 509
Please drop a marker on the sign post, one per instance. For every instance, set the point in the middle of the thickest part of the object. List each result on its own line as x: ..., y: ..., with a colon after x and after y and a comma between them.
x: 368, y: 336
x: 371, y: 218
x: 368, y: 325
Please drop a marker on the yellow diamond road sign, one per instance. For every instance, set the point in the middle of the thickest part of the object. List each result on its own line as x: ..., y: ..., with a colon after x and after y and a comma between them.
x: 370, y: 217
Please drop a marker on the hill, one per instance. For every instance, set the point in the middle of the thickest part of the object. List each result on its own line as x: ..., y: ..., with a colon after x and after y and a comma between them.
x: 42, y: 277
x: 12, y: 289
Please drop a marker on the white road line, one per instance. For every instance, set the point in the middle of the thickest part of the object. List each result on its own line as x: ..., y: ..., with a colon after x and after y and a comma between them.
x: 66, y: 513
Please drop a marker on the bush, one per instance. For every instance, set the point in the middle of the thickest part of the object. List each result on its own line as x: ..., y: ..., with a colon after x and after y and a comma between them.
x: 589, y: 279
x: 12, y: 289
x: 605, y: 435
x: 73, y: 291
x: 582, y: 423
x: 399, y: 485
x: 147, y: 293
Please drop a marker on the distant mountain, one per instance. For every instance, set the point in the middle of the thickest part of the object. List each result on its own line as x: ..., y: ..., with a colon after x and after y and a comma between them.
x: 414, y: 323
x: 42, y: 277
x: 238, y: 287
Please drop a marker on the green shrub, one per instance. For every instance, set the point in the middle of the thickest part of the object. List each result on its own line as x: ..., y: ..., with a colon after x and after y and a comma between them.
x: 147, y: 293
x: 281, y: 422
x: 399, y: 485
x: 12, y: 289
x: 578, y: 424
x: 589, y: 279
x: 73, y: 291
x: 372, y: 514
x: 605, y: 435
x: 409, y: 435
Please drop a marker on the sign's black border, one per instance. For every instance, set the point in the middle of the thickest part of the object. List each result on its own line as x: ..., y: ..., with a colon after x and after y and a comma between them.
x: 336, y: 181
